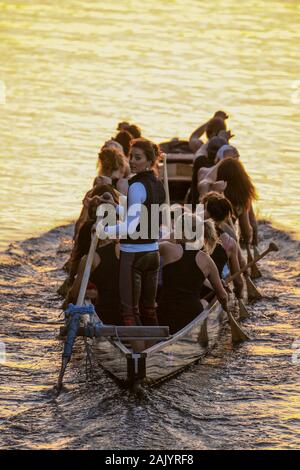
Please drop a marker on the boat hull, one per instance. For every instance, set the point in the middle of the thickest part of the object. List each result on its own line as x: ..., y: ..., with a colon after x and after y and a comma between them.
x: 164, y: 359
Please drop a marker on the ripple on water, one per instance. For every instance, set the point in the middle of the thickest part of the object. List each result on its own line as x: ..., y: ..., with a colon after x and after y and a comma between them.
x: 241, y: 397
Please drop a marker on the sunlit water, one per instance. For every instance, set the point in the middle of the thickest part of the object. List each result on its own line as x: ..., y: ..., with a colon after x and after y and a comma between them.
x: 73, y: 69
x: 245, y: 397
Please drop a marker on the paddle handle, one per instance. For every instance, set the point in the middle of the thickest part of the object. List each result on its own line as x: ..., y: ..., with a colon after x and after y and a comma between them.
x: 272, y: 247
x: 249, y: 254
x: 167, y: 191
x: 88, y: 267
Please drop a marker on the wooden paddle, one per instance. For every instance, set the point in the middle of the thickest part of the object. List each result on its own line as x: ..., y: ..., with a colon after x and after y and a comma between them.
x: 79, y: 303
x: 255, y: 251
x: 255, y: 272
x: 237, y: 333
x: 272, y: 247
x: 251, y: 289
x: 252, y: 292
x: 242, y: 310
x: 167, y: 191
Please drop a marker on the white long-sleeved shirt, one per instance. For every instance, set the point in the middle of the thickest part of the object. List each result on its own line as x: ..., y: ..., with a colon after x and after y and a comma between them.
x: 136, y: 197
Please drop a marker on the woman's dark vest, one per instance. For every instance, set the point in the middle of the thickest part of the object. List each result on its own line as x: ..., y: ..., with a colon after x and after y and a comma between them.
x: 155, y: 195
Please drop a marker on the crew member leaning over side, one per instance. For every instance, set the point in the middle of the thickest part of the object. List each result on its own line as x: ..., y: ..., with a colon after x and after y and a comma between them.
x: 226, y: 252
x: 207, y: 161
x: 216, y: 126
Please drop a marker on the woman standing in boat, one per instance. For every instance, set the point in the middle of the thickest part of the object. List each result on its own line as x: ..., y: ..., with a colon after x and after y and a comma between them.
x: 139, y: 259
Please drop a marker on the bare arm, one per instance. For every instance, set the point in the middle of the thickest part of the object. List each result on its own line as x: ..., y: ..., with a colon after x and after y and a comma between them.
x: 207, y: 181
x: 228, y: 227
x: 253, y: 222
x: 169, y: 251
x: 74, y: 291
x: 204, y: 187
x: 209, y: 173
x: 194, y: 141
x: 234, y: 266
x: 210, y: 271
x: 122, y: 186
x: 245, y: 226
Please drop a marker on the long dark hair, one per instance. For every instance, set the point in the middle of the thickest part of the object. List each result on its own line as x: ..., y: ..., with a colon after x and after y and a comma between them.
x: 240, y: 190
x: 124, y: 138
x: 214, y: 126
x: 218, y: 206
x: 150, y: 149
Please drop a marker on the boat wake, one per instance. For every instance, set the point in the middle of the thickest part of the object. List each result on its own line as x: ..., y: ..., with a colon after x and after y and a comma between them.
x: 242, y: 397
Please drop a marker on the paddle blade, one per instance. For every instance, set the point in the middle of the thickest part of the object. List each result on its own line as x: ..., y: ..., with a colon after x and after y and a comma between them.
x: 238, y: 335
x: 273, y: 247
x: 203, y: 334
x: 59, y: 385
x: 242, y: 310
x: 252, y: 292
x: 255, y: 272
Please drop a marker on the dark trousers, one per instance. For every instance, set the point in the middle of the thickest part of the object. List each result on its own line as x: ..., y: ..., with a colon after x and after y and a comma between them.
x: 138, y: 286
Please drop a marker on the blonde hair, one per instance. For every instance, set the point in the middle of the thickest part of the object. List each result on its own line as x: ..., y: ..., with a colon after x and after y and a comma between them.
x: 188, y: 227
x: 210, y: 236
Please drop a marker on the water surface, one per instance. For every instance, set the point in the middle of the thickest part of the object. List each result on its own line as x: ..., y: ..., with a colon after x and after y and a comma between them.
x: 245, y: 397
x: 73, y: 69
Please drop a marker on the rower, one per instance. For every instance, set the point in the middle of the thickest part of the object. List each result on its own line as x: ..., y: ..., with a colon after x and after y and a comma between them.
x: 226, y: 253
x: 124, y: 138
x: 216, y: 126
x: 113, y: 169
x: 204, y: 163
x: 237, y: 187
x: 185, y: 268
x: 83, y: 239
x: 212, y: 128
x: 133, y: 129
x: 103, y: 287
